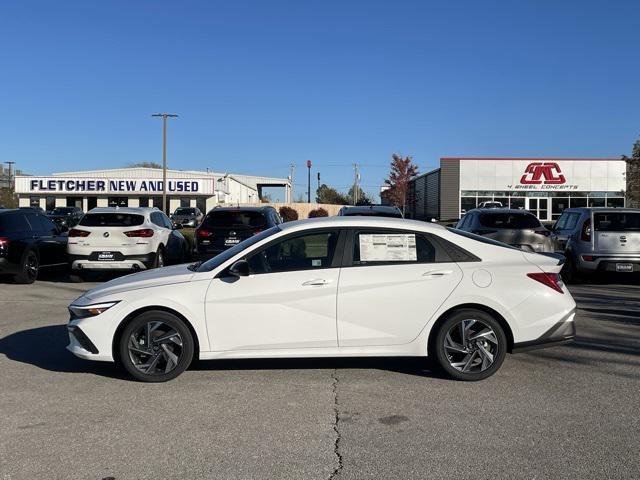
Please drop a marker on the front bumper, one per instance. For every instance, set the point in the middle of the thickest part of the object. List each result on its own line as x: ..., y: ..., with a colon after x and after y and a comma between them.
x: 562, y: 332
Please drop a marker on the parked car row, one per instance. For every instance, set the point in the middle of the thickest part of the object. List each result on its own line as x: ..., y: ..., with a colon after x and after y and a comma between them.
x: 591, y: 239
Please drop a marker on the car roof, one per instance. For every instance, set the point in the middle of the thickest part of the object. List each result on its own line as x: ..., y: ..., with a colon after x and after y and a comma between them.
x: 370, y: 208
x: 601, y: 209
x: 361, y: 221
x: 137, y: 210
x: 241, y: 209
x: 500, y: 210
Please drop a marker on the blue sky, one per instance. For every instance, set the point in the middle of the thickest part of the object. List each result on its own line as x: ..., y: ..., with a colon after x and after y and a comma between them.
x: 259, y: 85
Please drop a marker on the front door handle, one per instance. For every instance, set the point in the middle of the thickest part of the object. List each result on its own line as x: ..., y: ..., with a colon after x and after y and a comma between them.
x: 437, y: 273
x: 316, y: 282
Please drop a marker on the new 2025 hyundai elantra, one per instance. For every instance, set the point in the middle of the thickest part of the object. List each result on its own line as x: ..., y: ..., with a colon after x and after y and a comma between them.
x: 333, y: 287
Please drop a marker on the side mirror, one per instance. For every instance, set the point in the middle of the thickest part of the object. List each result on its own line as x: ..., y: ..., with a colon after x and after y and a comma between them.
x: 177, y: 226
x: 240, y: 269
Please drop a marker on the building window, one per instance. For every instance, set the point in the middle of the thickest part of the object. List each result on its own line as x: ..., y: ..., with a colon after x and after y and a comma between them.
x: 201, y: 203
x: 74, y: 202
x: 118, y: 201
x: 467, y: 203
x: 615, y: 202
x: 143, y: 201
x: 92, y: 202
x: 34, y: 201
x: 185, y: 202
x: 51, y: 203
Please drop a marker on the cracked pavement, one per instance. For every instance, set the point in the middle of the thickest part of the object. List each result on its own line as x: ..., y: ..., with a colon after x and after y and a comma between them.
x: 565, y: 412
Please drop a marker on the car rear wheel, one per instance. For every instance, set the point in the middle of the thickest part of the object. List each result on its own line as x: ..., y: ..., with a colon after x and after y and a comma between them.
x: 470, y: 345
x: 159, y: 262
x: 28, y: 268
x: 156, y: 346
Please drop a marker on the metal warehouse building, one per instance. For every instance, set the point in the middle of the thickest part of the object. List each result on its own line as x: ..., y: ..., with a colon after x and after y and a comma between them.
x: 142, y: 187
x: 544, y: 186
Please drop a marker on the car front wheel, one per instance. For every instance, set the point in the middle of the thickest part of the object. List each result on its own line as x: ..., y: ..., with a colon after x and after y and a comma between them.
x: 470, y: 345
x: 156, y: 346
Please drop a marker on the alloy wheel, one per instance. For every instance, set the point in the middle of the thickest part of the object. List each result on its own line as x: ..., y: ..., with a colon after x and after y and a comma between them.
x: 31, y: 266
x: 155, y: 348
x: 471, y: 346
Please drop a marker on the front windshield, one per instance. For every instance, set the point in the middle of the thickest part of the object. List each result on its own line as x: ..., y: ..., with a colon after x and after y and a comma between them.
x: 62, y: 211
x: 219, y: 259
x: 185, y: 211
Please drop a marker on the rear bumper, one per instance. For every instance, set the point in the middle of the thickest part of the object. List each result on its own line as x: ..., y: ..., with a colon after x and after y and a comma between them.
x: 606, y: 262
x: 128, y: 262
x: 562, y: 332
x: 7, y: 267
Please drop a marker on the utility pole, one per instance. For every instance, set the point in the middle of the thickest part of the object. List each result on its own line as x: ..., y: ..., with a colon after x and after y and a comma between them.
x: 292, y: 171
x: 308, y: 181
x: 164, y: 156
x: 10, y: 168
x: 318, y: 181
x: 356, y: 183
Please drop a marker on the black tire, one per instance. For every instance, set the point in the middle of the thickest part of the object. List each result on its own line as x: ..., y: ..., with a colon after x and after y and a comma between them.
x: 134, y: 361
x: 569, y: 273
x: 159, y: 261
x: 467, y: 357
x: 29, y: 268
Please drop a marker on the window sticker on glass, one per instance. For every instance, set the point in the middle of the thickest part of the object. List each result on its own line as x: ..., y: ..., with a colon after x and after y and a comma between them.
x: 388, y: 247
x: 316, y: 262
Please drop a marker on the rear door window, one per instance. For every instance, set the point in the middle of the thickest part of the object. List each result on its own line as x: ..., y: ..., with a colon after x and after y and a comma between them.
x: 516, y: 221
x: 617, y: 222
x: 383, y: 247
x: 111, y: 220
x: 13, y: 223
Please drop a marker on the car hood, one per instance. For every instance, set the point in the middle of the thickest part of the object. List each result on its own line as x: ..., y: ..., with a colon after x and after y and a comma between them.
x: 147, y: 279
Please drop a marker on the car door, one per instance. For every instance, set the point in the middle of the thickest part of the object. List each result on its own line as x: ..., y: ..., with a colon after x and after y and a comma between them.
x: 288, y: 300
x: 50, y: 242
x: 396, y: 282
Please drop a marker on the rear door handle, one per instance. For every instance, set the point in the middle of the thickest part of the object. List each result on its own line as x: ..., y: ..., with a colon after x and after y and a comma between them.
x: 437, y: 273
x: 316, y: 282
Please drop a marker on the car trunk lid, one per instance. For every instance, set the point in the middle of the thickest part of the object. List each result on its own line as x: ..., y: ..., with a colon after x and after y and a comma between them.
x: 616, y: 232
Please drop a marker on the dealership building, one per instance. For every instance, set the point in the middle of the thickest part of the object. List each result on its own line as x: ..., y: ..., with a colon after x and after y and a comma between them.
x: 544, y: 186
x: 143, y: 187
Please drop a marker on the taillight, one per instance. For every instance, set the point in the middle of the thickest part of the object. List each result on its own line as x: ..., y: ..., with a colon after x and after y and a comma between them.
x: 142, y: 233
x: 551, y: 280
x: 586, y: 231
x: 74, y: 232
x: 4, y: 242
x: 544, y: 232
x: 202, y: 233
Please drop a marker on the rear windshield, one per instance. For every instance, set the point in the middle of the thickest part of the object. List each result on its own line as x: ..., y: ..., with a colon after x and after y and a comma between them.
x: 111, y: 220
x: 617, y: 222
x: 185, y: 211
x: 509, y: 220
x: 13, y: 222
x: 63, y: 211
x: 235, y: 219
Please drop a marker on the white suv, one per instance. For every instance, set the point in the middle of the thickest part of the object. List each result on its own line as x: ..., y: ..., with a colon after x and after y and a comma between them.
x: 117, y: 238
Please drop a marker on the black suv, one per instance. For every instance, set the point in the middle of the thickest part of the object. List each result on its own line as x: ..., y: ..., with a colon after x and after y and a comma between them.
x: 29, y: 241
x: 224, y: 227
x: 66, y: 216
x: 370, y: 211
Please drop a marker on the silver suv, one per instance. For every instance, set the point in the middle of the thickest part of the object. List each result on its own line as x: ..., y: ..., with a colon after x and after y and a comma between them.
x: 598, y: 240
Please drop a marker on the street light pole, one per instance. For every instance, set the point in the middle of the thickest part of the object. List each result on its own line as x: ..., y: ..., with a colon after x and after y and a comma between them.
x: 164, y: 156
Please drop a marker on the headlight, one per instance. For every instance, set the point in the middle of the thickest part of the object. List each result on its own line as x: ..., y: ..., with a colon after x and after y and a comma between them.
x: 85, y: 311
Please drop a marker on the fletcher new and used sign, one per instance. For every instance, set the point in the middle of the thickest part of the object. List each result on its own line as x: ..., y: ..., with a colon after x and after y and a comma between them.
x: 542, y: 175
x: 57, y: 185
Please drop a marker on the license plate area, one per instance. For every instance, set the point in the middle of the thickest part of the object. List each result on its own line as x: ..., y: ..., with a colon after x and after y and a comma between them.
x: 231, y: 241
x: 106, y: 256
x: 624, y: 267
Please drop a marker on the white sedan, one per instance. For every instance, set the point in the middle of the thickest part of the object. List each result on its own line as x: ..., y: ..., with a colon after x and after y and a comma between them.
x: 333, y: 287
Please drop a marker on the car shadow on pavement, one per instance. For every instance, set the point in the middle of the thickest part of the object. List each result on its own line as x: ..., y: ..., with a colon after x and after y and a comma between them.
x: 404, y: 365
x: 45, y: 347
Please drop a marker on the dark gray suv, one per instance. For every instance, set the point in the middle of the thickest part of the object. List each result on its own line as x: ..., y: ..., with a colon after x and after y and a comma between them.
x: 598, y: 240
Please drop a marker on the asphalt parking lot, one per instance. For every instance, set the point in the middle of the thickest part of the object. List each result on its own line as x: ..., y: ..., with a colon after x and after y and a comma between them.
x: 564, y: 412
